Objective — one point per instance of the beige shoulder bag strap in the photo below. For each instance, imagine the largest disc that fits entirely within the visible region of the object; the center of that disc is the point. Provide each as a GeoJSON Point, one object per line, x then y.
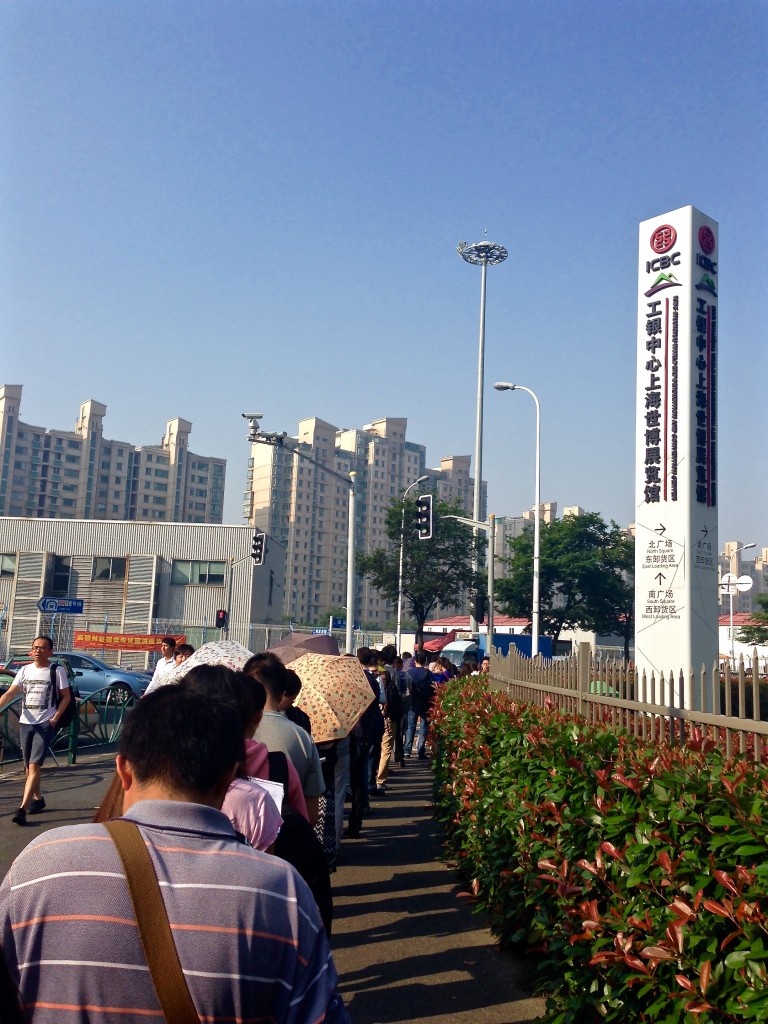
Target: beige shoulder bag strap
{"type": "Point", "coordinates": [152, 920]}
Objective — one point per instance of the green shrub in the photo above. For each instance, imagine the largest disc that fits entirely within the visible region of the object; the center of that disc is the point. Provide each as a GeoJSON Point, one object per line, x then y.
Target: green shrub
{"type": "Point", "coordinates": [638, 873]}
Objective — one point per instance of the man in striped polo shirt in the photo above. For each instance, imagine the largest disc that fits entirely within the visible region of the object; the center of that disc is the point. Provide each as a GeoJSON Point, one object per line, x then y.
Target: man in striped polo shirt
{"type": "Point", "coordinates": [248, 934]}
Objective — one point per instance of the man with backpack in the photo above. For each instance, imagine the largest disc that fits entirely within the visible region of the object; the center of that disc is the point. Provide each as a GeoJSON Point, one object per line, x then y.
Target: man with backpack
{"type": "Point", "coordinates": [422, 694]}
{"type": "Point", "coordinates": [46, 698]}
{"type": "Point", "coordinates": [393, 708]}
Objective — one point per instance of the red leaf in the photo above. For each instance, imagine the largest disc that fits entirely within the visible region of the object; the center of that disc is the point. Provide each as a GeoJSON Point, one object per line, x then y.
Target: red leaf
{"type": "Point", "coordinates": [685, 983]}
{"type": "Point", "coordinates": [675, 935]}
{"type": "Point", "coordinates": [664, 861]}
{"type": "Point", "coordinates": [632, 961]}
{"type": "Point", "coordinates": [698, 1007]}
{"type": "Point", "coordinates": [704, 975]}
{"type": "Point", "coordinates": [716, 908]}
{"type": "Point", "coordinates": [657, 953]}
{"type": "Point", "coordinates": [681, 908]}
{"type": "Point", "coordinates": [725, 881]}
{"type": "Point", "coordinates": [611, 850]}
{"type": "Point", "coordinates": [633, 784]}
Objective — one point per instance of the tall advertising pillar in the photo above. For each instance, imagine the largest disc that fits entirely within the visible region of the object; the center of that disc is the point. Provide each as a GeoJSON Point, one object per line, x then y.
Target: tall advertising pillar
{"type": "Point", "coordinates": [676, 467]}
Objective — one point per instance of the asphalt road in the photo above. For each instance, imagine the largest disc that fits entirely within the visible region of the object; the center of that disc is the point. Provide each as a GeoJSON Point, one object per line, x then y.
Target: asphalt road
{"type": "Point", "coordinates": [406, 948]}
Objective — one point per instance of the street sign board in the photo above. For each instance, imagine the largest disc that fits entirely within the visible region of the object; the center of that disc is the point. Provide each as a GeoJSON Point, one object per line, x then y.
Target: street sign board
{"type": "Point", "coordinates": [60, 606]}
{"type": "Point", "coordinates": [677, 450]}
{"type": "Point", "coordinates": [319, 632]}
{"type": "Point", "coordinates": [339, 623]}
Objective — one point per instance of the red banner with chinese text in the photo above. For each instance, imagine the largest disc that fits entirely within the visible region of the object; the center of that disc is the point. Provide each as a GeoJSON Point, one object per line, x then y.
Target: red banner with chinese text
{"type": "Point", "coordinates": [90, 640]}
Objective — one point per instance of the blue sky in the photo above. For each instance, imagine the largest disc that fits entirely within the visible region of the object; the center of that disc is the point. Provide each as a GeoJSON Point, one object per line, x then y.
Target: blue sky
{"type": "Point", "coordinates": [228, 206]}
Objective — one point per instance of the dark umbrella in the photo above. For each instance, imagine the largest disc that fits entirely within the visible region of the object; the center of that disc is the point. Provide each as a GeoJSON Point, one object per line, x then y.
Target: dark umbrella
{"type": "Point", "coordinates": [294, 645]}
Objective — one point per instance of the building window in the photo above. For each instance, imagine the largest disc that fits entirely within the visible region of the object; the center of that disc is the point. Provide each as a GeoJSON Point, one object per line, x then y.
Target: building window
{"type": "Point", "coordinates": [198, 573]}
{"type": "Point", "coordinates": [7, 565]}
{"type": "Point", "coordinates": [108, 569]}
{"type": "Point", "coordinates": [62, 568]}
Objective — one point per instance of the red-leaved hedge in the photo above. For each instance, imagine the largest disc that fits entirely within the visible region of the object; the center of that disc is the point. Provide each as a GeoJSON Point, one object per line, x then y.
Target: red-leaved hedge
{"type": "Point", "coordinates": [638, 873]}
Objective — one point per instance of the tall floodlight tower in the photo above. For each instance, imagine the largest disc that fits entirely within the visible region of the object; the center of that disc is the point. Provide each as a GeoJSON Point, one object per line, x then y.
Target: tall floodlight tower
{"type": "Point", "coordinates": [484, 254]}
{"type": "Point", "coordinates": [676, 546]}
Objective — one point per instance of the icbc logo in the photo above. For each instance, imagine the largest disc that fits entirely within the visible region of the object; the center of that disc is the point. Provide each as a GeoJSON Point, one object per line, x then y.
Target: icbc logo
{"type": "Point", "coordinates": [707, 240]}
{"type": "Point", "coordinates": [663, 238]}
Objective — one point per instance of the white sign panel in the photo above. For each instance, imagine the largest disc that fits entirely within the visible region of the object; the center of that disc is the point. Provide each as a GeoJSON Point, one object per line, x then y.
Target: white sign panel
{"type": "Point", "coordinates": [676, 469]}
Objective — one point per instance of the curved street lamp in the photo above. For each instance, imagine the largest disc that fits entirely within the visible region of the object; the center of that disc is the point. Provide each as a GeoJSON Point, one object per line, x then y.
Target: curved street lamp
{"type": "Point", "coordinates": [732, 586]}
{"type": "Point", "coordinates": [400, 576]}
{"type": "Point", "coordinates": [504, 386]}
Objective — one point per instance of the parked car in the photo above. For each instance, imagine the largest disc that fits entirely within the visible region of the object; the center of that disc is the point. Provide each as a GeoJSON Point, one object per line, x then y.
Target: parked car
{"type": "Point", "coordinates": [14, 664]}
{"type": "Point", "coordinates": [91, 674]}
{"type": "Point", "coordinates": [9, 670]}
{"type": "Point", "coordinates": [6, 678]}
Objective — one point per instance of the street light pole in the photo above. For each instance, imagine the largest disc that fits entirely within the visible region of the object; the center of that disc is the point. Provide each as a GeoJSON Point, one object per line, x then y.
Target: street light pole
{"type": "Point", "coordinates": [490, 529]}
{"type": "Point", "coordinates": [733, 588]}
{"type": "Point", "coordinates": [484, 254]}
{"type": "Point", "coordinates": [504, 386]}
{"type": "Point", "coordinates": [351, 565]}
{"type": "Point", "coordinates": [400, 574]}
{"type": "Point", "coordinates": [257, 436]}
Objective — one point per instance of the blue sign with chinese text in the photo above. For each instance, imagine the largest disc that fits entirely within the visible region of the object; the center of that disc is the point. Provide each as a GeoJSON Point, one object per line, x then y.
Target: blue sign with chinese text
{"type": "Point", "coordinates": [60, 605]}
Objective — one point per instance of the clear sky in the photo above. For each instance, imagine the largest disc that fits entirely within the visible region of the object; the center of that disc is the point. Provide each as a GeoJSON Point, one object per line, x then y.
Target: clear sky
{"type": "Point", "coordinates": [217, 207]}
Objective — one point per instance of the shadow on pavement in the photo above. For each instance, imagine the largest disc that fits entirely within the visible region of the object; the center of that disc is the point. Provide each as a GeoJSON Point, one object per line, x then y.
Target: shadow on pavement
{"type": "Point", "coordinates": [406, 948]}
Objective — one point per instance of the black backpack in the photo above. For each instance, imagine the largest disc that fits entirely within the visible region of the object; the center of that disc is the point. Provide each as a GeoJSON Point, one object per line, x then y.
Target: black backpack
{"type": "Point", "coordinates": [70, 712]}
{"type": "Point", "coordinates": [422, 691]}
{"type": "Point", "coordinates": [297, 844]}
{"type": "Point", "coordinates": [395, 706]}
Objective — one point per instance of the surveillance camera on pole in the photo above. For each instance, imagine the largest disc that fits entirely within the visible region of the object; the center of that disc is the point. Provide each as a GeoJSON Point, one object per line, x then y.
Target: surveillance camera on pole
{"type": "Point", "coordinates": [253, 422]}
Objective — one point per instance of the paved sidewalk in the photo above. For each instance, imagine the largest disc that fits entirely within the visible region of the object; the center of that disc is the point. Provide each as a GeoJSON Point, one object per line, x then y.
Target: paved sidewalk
{"type": "Point", "coordinates": [72, 794]}
{"type": "Point", "coordinates": [405, 947]}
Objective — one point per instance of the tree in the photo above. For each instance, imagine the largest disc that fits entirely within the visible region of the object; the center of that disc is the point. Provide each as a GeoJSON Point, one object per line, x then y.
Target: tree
{"type": "Point", "coordinates": [586, 577]}
{"type": "Point", "coordinates": [757, 633]}
{"type": "Point", "coordinates": [435, 572]}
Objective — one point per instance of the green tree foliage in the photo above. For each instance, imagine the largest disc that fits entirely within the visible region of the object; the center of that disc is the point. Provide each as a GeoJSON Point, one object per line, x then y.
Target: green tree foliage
{"type": "Point", "coordinates": [756, 634]}
{"type": "Point", "coordinates": [586, 577]}
{"type": "Point", "coordinates": [435, 572]}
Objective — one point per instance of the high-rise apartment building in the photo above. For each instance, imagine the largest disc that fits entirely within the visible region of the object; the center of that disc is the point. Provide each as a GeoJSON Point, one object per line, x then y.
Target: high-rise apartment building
{"type": "Point", "coordinates": [307, 509]}
{"type": "Point", "coordinates": [79, 474]}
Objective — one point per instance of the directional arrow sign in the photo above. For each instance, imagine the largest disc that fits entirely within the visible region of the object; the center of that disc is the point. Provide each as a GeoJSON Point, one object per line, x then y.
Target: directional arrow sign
{"type": "Point", "coordinates": [659, 577]}
{"type": "Point", "coordinates": [60, 605]}
{"type": "Point", "coordinates": [660, 529]}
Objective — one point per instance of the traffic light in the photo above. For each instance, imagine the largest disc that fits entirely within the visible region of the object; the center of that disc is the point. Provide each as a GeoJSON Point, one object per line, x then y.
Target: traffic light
{"type": "Point", "coordinates": [257, 548]}
{"type": "Point", "coordinates": [477, 603]}
{"type": "Point", "coordinates": [221, 619]}
{"type": "Point", "coordinates": [424, 516]}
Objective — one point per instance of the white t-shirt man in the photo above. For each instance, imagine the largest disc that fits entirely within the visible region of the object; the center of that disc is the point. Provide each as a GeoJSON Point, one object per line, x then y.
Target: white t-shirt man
{"type": "Point", "coordinates": [39, 700]}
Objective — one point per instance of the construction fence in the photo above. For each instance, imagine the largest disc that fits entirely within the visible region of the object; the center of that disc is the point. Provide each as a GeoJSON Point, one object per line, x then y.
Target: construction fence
{"type": "Point", "coordinates": [253, 635]}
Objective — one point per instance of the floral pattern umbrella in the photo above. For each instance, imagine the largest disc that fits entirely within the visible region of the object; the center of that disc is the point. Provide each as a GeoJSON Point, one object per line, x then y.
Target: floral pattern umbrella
{"type": "Point", "coordinates": [334, 693]}
{"type": "Point", "coordinates": [219, 652]}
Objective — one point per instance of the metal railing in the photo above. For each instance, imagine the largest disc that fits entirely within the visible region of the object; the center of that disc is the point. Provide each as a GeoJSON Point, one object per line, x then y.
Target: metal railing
{"type": "Point", "coordinates": [722, 708]}
{"type": "Point", "coordinates": [99, 722]}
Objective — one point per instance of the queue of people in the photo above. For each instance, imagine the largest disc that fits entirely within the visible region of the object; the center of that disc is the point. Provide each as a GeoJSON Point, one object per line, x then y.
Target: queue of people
{"type": "Point", "coordinates": [242, 814]}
